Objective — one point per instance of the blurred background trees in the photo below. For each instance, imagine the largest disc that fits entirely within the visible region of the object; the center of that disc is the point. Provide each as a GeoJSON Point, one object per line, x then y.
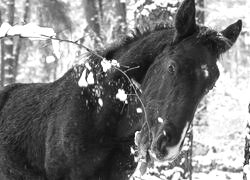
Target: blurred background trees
{"type": "Point", "coordinates": [246, 166]}
{"type": "Point", "coordinates": [8, 59]}
{"type": "Point", "coordinates": [214, 148]}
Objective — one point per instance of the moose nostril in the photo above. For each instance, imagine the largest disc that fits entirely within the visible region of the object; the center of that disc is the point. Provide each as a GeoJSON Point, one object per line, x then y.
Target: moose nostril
{"type": "Point", "coordinates": [163, 143]}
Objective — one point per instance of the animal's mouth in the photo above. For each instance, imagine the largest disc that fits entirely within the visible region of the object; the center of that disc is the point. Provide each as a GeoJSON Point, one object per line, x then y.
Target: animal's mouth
{"type": "Point", "coordinates": [144, 162]}
{"type": "Point", "coordinates": [148, 161]}
{"type": "Point", "coordinates": [147, 152]}
{"type": "Point", "coordinates": [147, 155]}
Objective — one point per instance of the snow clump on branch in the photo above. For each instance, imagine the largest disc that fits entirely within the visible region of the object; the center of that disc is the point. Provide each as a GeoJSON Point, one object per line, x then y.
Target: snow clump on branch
{"type": "Point", "coordinates": [106, 65]}
{"type": "Point", "coordinates": [29, 30]}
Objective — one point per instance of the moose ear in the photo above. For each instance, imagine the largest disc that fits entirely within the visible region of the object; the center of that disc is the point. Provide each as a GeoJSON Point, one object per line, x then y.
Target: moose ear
{"type": "Point", "coordinates": [231, 33]}
{"type": "Point", "coordinates": [185, 24]}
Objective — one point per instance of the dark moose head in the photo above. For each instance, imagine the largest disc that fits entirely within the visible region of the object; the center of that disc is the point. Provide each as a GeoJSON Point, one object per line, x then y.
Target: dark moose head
{"type": "Point", "coordinates": [178, 78]}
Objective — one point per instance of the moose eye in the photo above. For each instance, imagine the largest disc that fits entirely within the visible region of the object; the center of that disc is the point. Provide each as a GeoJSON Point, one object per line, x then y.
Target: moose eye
{"type": "Point", "coordinates": [171, 68]}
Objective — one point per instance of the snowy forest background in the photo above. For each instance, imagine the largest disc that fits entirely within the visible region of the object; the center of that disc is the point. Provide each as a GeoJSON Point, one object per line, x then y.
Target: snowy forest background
{"type": "Point", "coordinates": [215, 147]}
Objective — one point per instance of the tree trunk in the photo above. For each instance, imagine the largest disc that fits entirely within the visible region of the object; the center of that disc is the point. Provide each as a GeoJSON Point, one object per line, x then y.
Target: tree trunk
{"type": "Point", "coordinates": [19, 40]}
{"type": "Point", "coordinates": [160, 15]}
{"type": "Point", "coordinates": [187, 163]}
{"type": "Point", "coordinates": [2, 55]}
{"type": "Point", "coordinates": [100, 5]}
{"type": "Point", "coordinates": [91, 14]}
{"type": "Point", "coordinates": [120, 27]}
{"type": "Point", "coordinates": [9, 58]}
{"type": "Point", "coordinates": [246, 166]}
{"type": "Point", "coordinates": [165, 15]}
{"type": "Point", "coordinates": [200, 11]}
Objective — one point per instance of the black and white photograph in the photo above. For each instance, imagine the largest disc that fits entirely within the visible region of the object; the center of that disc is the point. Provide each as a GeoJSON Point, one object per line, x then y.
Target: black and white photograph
{"type": "Point", "coordinates": [125, 90]}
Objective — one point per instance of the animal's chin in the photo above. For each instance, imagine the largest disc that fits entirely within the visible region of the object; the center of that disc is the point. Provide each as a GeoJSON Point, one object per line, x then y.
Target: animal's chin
{"type": "Point", "coordinates": [142, 143]}
{"type": "Point", "coordinates": [147, 160]}
{"type": "Point", "coordinates": [148, 155]}
{"type": "Point", "coordinates": [162, 159]}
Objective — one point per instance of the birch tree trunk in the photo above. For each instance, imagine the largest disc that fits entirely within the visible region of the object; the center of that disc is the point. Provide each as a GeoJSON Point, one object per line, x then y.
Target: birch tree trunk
{"type": "Point", "coordinates": [91, 14]}
{"type": "Point", "coordinates": [246, 166]}
{"type": "Point", "coordinates": [19, 40]}
{"type": "Point", "coordinates": [9, 58]}
{"type": "Point", "coordinates": [100, 6]}
{"type": "Point", "coordinates": [2, 56]}
{"type": "Point", "coordinates": [120, 27]}
{"type": "Point", "coordinates": [200, 11]}
{"type": "Point", "coordinates": [187, 163]}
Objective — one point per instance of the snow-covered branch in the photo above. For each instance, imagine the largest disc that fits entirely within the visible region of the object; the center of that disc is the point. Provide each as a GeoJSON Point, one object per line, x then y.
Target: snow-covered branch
{"type": "Point", "coordinates": [30, 30]}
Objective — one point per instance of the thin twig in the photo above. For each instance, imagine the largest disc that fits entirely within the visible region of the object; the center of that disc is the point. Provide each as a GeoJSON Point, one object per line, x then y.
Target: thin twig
{"type": "Point", "coordinates": [130, 69]}
{"type": "Point", "coordinates": [137, 95]}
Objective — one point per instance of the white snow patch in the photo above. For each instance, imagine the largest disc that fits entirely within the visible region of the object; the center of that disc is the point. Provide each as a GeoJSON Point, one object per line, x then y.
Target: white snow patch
{"type": "Point", "coordinates": [56, 47]}
{"type": "Point", "coordinates": [138, 110]}
{"type": "Point", "coordinates": [100, 101]}
{"type": "Point", "coordinates": [50, 59]}
{"type": "Point", "coordinates": [185, 148]}
{"type": "Point", "coordinates": [5, 27]}
{"type": "Point", "coordinates": [121, 95]}
{"type": "Point", "coordinates": [115, 63]}
{"type": "Point", "coordinates": [164, 133]}
{"type": "Point", "coordinates": [160, 120]}
{"type": "Point", "coordinates": [246, 170]}
{"type": "Point", "coordinates": [137, 137]}
{"type": "Point", "coordinates": [132, 151]}
{"type": "Point", "coordinates": [97, 92]}
{"type": "Point", "coordinates": [170, 172]}
{"type": "Point", "coordinates": [87, 66]}
{"type": "Point", "coordinates": [106, 65]}
{"type": "Point", "coordinates": [90, 78]}
{"type": "Point", "coordinates": [204, 69]}
{"type": "Point", "coordinates": [29, 30]}
{"type": "Point", "coordinates": [82, 81]}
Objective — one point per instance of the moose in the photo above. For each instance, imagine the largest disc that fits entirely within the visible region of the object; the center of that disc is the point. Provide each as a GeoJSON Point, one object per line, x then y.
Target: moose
{"type": "Point", "coordinates": [140, 93]}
